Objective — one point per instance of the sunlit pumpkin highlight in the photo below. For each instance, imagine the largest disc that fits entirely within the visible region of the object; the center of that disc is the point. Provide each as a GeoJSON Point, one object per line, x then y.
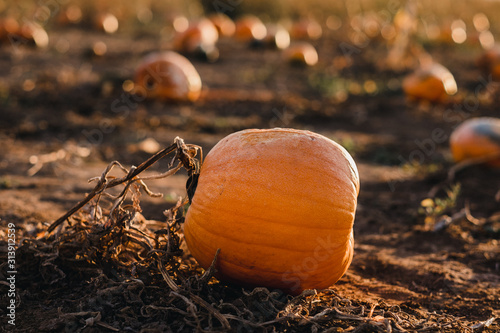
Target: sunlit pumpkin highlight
{"type": "Point", "coordinates": [476, 138]}
{"type": "Point", "coordinates": [168, 76]}
{"type": "Point", "coordinates": [280, 205]}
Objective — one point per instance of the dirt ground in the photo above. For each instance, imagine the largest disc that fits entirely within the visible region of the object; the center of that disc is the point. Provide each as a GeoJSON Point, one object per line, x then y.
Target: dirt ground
{"type": "Point", "coordinates": [66, 99]}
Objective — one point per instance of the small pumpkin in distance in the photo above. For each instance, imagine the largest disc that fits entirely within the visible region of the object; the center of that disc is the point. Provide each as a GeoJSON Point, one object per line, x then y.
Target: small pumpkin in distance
{"type": "Point", "coordinates": [167, 76]}
{"type": "Point", "coordinates": [477, 138]}
{"type": "Point", "coordinates": [280, 205]}
{"type": "Point", "coordinates": [432, 82]}
{"type": "Point", "coordinates": [276, 37]}
{"type": "Point", "coordinates": [306, 29]}
{"type": "Point", "coordinates": [199, 39]}
{"type": "Point", "coordinates": [34, 34]}
{"type": "Point", "coordinates": [301, 53]}
{"type": "Point", "coordinates": [249, 28]}
{"type": "Point", "coordinates": [225, 26]}
{"type": "Point", "coordinates": [9, 28]}
{"type": "Point", "coordinates": [198, 35]}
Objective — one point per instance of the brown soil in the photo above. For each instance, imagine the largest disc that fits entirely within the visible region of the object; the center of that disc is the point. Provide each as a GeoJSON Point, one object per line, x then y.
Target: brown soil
{"type": "Point", "coordinates": [53, 101]}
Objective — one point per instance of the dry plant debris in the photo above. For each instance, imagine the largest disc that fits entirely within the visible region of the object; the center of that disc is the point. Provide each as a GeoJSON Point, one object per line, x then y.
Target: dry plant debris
{"type": "Point", "coordinates": [126, 273]}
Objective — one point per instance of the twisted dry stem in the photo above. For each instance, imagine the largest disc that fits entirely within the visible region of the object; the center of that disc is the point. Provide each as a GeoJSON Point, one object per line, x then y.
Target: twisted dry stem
{"type": "Point", "coordinates": [184, 154]}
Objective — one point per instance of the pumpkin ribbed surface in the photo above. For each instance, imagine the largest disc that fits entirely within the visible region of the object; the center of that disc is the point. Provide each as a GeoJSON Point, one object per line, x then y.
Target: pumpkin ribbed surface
{"type": "Point", "coordinates": [476, 138]}
{"type": "Point", "coordinates": [280, 205]}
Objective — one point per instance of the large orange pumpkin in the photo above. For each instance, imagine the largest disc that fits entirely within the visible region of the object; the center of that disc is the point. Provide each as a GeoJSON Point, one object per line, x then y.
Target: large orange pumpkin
{"type": "Point", "coordinates": [280, 205]}
{"type": "Point", "coordinates": [167, 76]}
{"type": "Point", "coordinates": [476, 138]}
{"type": "Point", "coordinates": [433, 83]}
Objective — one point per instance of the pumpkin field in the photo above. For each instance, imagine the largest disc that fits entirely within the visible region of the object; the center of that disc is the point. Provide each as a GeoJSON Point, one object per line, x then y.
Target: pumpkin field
{"type": "Point", "coordinates": [249, 166]}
